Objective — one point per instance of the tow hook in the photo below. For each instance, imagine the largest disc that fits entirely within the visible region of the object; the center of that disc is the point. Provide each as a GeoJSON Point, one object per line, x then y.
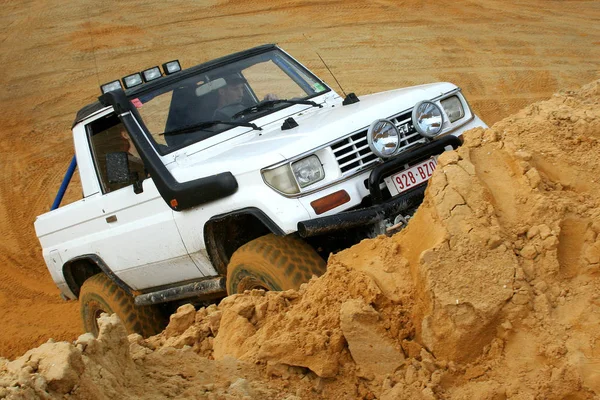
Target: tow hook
{"type": "Point", "coordinates": [399, 222]}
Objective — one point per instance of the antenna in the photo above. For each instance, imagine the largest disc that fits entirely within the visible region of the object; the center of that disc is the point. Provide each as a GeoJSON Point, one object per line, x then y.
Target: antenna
{"type": "Point", "coordinates": [325, 64]}
{"type": "Point", "coordinates": [336, 81]}
{"type": "Point", "coordinates": [349, 98]}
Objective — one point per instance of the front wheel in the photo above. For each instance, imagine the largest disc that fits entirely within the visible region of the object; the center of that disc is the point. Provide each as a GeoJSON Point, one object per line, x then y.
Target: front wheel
{"type": "Point", "coordinates": [272, 263]}
{"type": "Point", "coordinates": [100, 295]}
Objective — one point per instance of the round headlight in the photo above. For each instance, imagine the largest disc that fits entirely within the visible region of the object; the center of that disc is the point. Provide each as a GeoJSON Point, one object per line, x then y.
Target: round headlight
{"type": "Point", "coordinates": [383, 137]}
{"type": "Point", "coordinates": [427, 119]}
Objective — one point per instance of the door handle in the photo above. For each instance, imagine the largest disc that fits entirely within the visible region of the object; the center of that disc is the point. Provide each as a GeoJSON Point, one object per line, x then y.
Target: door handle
{"type": "Point", "coordinates": [112, 218]}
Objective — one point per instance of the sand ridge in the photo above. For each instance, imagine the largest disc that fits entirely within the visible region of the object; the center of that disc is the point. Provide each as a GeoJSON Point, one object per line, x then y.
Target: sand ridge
{"type": "Point", "coordinates": [56, 54]}
{"type": "Point", "coordinates": [505, 56]}
{"type": "Point", "coordinates": [468, 301]}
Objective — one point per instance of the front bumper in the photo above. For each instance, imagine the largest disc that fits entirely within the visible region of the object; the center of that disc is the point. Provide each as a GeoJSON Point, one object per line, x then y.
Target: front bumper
{"type": "Point", "coordinates": [381, 210]}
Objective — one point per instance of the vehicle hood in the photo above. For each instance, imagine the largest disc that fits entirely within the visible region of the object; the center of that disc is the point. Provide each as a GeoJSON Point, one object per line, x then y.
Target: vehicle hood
{"type": "Point", "coordinates": [254, 150]}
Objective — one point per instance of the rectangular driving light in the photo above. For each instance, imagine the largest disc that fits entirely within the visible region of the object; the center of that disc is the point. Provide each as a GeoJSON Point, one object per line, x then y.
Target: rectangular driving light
{"type": "Point", "coordinates": [151, 74]}
{"type": "Point", "coordinates": [110, 86]}
{"type": "Point", "coordinates": [171, 67]}
{"type": "Point", "coordinates": [132, 80]}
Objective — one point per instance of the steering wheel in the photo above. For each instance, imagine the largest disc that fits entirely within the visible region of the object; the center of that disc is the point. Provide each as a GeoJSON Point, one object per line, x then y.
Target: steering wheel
{"type": "Point", "coordinates": [270, 97]}
{"type": "Point", "coordinates": [225, 112]}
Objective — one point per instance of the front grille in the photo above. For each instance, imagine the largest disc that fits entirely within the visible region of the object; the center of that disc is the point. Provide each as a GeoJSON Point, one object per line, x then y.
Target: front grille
{"type": "Point", "coordinates": [353, 153]}
{"type": "Point", "coordinates": [409, 137]}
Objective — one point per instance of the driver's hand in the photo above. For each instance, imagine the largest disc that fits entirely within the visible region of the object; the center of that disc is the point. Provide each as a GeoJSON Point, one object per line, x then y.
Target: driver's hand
{"type": "Point", "coordinates": [271, 97]}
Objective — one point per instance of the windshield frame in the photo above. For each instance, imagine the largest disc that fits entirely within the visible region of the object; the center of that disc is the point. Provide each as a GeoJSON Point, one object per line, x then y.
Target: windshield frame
{"type": "Point", "coordinates": [166, 83]}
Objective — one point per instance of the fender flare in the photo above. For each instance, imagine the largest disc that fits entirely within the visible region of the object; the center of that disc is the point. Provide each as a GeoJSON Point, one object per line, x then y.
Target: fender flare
{"type": "Point", "coordinates": [98, 262]}
{"type": "Point", "coordinates": [211, 242]}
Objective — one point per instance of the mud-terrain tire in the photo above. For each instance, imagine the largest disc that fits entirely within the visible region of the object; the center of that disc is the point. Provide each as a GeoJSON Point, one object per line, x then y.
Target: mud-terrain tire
{"type": "Point", "coordinates": [272, 263]}
{"type": "Point", "coordinates": [99, 294]}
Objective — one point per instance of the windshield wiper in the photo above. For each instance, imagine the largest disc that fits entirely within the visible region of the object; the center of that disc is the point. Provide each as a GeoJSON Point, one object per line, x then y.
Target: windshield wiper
{"type": "Point", "coordinates": [207, 124]}
{"type": "Point", "coordinates": [270, 103]}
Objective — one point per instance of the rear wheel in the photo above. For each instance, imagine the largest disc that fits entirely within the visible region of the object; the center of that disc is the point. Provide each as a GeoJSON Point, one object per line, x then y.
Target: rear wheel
{"type": "Point", "coordinates": [272, 263]}
{"type": "Point", "coordinates": [100, 295]}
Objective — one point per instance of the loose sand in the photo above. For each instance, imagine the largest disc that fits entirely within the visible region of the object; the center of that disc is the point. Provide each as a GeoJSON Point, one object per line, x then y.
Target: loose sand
{"type": "Point", "coordinates": [490, 292]}
{"type": "Point", "coordinates": [536, 330]}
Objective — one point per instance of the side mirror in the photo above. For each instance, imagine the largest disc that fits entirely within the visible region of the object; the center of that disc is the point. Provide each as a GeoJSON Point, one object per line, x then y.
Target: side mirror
{"type": "Point", "coordinates": [117, 167]}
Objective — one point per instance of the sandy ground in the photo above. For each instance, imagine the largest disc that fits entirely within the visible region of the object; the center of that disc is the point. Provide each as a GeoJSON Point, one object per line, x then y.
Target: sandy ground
{"type": "Point", "coordinates": [491, 292]}
{"type": "Point", "coordinates": [504, 55]}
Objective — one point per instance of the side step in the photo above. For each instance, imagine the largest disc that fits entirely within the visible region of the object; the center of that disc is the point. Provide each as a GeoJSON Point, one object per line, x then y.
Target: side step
{"type": "Point", "coordinates": [206, 287]}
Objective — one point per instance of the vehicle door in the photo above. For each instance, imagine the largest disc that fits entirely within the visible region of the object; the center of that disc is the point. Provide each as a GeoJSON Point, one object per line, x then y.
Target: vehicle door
{"type": "Point", "coordinates": [140, 241]}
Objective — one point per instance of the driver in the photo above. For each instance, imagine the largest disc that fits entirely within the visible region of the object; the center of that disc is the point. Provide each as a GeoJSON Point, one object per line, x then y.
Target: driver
{"type": "Point", "coordinates": [230, 97]}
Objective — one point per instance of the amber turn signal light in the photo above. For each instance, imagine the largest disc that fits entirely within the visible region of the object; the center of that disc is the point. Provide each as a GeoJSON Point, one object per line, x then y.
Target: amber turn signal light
{"type": "Point", "coordinates": [330, 201]}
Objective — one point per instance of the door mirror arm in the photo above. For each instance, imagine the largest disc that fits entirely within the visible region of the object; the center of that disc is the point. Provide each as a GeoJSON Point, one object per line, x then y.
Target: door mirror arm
{"type": "Point", "coordinates": [138, 184]}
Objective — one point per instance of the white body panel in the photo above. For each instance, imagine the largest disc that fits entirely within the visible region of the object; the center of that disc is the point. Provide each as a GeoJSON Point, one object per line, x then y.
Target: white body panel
{"type": "Point", "coordinates": [143, 246]}
{"type": "Point", "coordinates": [150, 245]}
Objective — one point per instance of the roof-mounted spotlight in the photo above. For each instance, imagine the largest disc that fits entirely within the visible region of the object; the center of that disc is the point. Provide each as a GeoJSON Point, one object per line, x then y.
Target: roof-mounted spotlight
{"type": "Point", "coordinates": [132, 80]}
{"type": "Point", "coordinates": [151, 74]}
{"type": "Point", "coordinates": [171, 67]}
{"type": "Point", "coordinates": [110, 86]}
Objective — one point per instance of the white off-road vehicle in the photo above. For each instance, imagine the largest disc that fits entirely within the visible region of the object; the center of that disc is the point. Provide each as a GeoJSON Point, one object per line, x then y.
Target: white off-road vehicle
{"type": "Point", "coordinates": [243, 172]}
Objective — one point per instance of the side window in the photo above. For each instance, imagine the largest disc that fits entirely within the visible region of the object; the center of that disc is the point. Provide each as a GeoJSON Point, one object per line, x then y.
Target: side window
{"type": "Point", "coordinates": [109, 138]}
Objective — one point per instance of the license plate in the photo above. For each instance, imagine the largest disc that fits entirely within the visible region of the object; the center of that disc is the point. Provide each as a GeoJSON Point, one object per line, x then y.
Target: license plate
{"type": "Point", "coordinates": [411, 177]}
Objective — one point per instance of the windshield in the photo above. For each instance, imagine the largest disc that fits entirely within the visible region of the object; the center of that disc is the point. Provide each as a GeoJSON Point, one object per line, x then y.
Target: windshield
{"type": "Point", "coordinates": [189, 111]}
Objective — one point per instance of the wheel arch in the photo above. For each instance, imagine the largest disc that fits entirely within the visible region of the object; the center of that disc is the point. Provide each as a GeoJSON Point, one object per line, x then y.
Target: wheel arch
{"type": "Point", "coordinates": [78, 269]}
{"type": "Point", "coordinates": [255, 223]}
